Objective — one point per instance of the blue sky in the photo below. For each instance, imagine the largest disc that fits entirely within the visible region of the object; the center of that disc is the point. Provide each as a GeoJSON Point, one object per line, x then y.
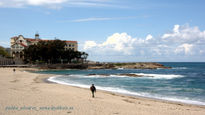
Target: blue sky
{"type": "Point", "coordinates": [113, 30]}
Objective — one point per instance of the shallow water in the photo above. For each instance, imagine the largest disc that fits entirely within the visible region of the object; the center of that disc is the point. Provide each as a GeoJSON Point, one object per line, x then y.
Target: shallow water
{"type": "Point", "coordinates": [185, 82]}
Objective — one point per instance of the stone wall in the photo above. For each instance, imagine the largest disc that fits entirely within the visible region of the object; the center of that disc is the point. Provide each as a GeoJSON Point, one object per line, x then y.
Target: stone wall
{"type": "Point", "coordinates": [10, 61]}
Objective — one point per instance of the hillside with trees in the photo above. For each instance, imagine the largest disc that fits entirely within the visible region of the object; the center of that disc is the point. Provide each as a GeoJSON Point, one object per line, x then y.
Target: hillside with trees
{"type": "Point", "coordinates": [3, 52]}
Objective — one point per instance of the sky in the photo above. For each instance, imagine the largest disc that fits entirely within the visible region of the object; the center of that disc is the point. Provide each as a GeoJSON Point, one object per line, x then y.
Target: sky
{"type": "Point", "coordinates": [113, 30]}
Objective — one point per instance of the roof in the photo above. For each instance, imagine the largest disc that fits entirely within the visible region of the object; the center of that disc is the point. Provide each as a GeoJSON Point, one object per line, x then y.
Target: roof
{"type": "Point", "coordinates": [32, 40]}
{"type": "Point", "coordinates": [23, 45]}
{"type": "Point", "coordinates": [71, 41]}
{"type": "Point", "coordinates": [20, 44]}
{"type": "Point", "coordinates": [62, 40]}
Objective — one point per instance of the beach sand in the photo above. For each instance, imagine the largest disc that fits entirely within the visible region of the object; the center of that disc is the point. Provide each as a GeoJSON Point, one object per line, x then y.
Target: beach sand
{"type": "Point", "coordinates": [24, 93]}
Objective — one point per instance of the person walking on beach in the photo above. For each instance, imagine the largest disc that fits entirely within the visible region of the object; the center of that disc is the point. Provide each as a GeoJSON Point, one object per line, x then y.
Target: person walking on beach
{"type": "Point", "coordinates": [93, 90]}
{"type": "Point", "coordinates": [14, 70]}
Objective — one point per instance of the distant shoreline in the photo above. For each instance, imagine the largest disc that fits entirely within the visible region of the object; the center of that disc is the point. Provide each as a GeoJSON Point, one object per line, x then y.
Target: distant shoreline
{"type": "Point", "coordinates": [134, 65]}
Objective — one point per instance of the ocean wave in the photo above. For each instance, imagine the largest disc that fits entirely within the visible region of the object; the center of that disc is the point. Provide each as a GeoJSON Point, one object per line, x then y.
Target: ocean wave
{"type": "Point", "coordinates": [138, 75]}
{"type": "Point", "coordinates": [179, 68]}
{"type": "Point", "coordinates": [183, 100]}
{"type": "Point", "coordinates": [98, 76]}
{"type": "Point", "coordinates": [131, 93]}
{"type": "Point", "coordinates": [120, 68]}
{"type": "Point", "coordinates": [159, 76]}
{"type": "Point", "coordinates": [55, 80]}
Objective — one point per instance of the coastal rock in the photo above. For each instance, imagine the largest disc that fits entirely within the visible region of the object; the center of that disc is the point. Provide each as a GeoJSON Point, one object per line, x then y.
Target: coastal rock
{"type": "Point", "coordinates": [98, 74]}
{"type": "Point", "coordinates": [124, 74]}
{"type": "Point", "coordinates": [131, 75]}
{"type": "Point", "coordinates": [138, 65]}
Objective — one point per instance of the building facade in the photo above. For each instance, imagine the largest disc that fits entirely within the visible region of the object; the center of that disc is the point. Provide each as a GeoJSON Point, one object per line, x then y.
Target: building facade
{"type": "Point", "coordinates": [19, 43]}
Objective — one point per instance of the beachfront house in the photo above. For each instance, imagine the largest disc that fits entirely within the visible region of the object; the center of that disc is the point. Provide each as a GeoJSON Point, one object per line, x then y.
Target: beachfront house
{"type": "Point", "coordinates": [19, 43]}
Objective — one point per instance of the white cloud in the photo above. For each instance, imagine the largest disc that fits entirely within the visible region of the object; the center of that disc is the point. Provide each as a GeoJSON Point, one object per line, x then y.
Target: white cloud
{"type": "Point", "coordinates": [183, 42]}
{"type": "Point", "coordinates": [54, 3]}
{"type": "Point", "coordinates": [185, 48]}
{"type": "Point", "coordinates": [89, 44]}
{"type": "Point", "coordinates": [202, 51]}
{"type": "Point", "coordinates": [5, 44]}
{"type": "Point", "coordinates": [121, 43]}
{"type": "Point", "coordinates": [149, 37]}
{"type": "Point", "coordinates": [92, 19]}
{"type": "Point", "coordinates": [101, 19]}
{"type": "Point", "coordinates": [185, 34]}
{"type": "Point", "coordinates": [44, 2]}
{"type": "Point", "coordinates": [25, 3]}
{"type": "Point", "coordinates": [176, 29]}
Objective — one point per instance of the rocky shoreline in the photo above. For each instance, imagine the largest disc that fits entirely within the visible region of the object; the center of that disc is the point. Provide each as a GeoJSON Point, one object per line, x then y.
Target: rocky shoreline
{"type": "Point", "coordinates": [138, 65]}
{"type": "Point", "coordinates": [125, 74]}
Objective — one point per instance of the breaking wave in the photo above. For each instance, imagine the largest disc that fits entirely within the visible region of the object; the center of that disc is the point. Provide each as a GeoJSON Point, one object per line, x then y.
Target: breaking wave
{"type": "Point", "coordinates": [180, 68]}
{"type": "Point", "coordinates": [138, 75]}
{"type": "Point", "coordinates": [160, 76]}
{"type": "Point", "coordinates": [127, 92]}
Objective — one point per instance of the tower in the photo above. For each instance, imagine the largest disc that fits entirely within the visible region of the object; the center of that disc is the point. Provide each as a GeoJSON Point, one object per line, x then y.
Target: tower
{"type": "Point", "coordinates": [37, 36]}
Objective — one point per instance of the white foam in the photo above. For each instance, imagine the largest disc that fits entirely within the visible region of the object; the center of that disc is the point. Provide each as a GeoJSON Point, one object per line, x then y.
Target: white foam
{"type": "Point", "coordinates": [147, 76]}
{"type": "Point", "coordinates": [111, 89]}
{"type": "Point", "coordinates": [94, 76]}
{"type": "Point", "coordinates": [159, 76]}
{"type": "Point", "coordinates": [53, 79]}
{"type": "Point", "coordinates": [97, 76]}
{"type": "Point", "coordinates": [123, 91]}
{"type": "Point", "coordinates": [115, 75]}
{"type": "Point", "coordinates": [185, 100]}
{"type": "Point", "coordinates": [180, 68]}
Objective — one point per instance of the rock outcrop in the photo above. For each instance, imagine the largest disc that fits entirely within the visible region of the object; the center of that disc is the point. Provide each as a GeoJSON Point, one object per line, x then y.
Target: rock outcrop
{"type": "Point", "coordinates": [138, 65]}
{"type": "Point", "coordinates": [123, 74]}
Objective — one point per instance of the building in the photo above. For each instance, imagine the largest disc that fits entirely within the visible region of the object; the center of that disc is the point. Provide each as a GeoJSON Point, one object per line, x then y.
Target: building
{"type": "Point", "coordinates": [19, 43]}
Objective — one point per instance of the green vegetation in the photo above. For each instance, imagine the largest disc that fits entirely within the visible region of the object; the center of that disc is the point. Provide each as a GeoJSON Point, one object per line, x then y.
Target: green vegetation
{"type": "Point", "coordinates": [52, 52]}
{"type": "Point", "coordinates": [3, 52]}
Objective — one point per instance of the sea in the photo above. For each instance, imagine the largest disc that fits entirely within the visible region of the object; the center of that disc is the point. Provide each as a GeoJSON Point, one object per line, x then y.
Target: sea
{"type": "Point", "coordinates": [184, 82]}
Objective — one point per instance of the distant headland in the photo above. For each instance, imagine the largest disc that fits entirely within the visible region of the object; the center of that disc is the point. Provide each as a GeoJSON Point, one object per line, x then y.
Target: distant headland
{"type": "Point", "coordinates": [98, 65]}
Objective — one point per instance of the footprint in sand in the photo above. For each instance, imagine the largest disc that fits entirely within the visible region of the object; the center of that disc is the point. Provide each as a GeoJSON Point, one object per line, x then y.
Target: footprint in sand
{"type": "Point", "coordinates": [14, 81]}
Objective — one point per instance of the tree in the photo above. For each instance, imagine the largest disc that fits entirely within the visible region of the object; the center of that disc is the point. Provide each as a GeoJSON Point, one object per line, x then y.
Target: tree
{"type": "Point", "coordinates": [51, 52]}
{"type": "Point", "coordinates": [84, 55]}
{"type": "Point", "coordinates": [31, 54]}
{"type": "Point", "coordinates": [3, 52]}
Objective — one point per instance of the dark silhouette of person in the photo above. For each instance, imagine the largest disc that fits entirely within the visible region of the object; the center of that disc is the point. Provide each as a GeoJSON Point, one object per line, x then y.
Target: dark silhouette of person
{"type": "Point", "coordinates": [93, 90]}
{"type": "Point", "coordinates": [14, 70]}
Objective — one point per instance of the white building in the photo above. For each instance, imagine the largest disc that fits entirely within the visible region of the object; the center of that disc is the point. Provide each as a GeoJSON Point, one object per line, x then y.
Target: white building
{"type": "Point", "coordinates": [18, 44]}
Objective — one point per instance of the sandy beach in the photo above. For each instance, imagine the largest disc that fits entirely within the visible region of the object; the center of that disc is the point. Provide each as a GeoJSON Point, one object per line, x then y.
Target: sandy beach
{"type": "Point", "coordinates": [24, 93]}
